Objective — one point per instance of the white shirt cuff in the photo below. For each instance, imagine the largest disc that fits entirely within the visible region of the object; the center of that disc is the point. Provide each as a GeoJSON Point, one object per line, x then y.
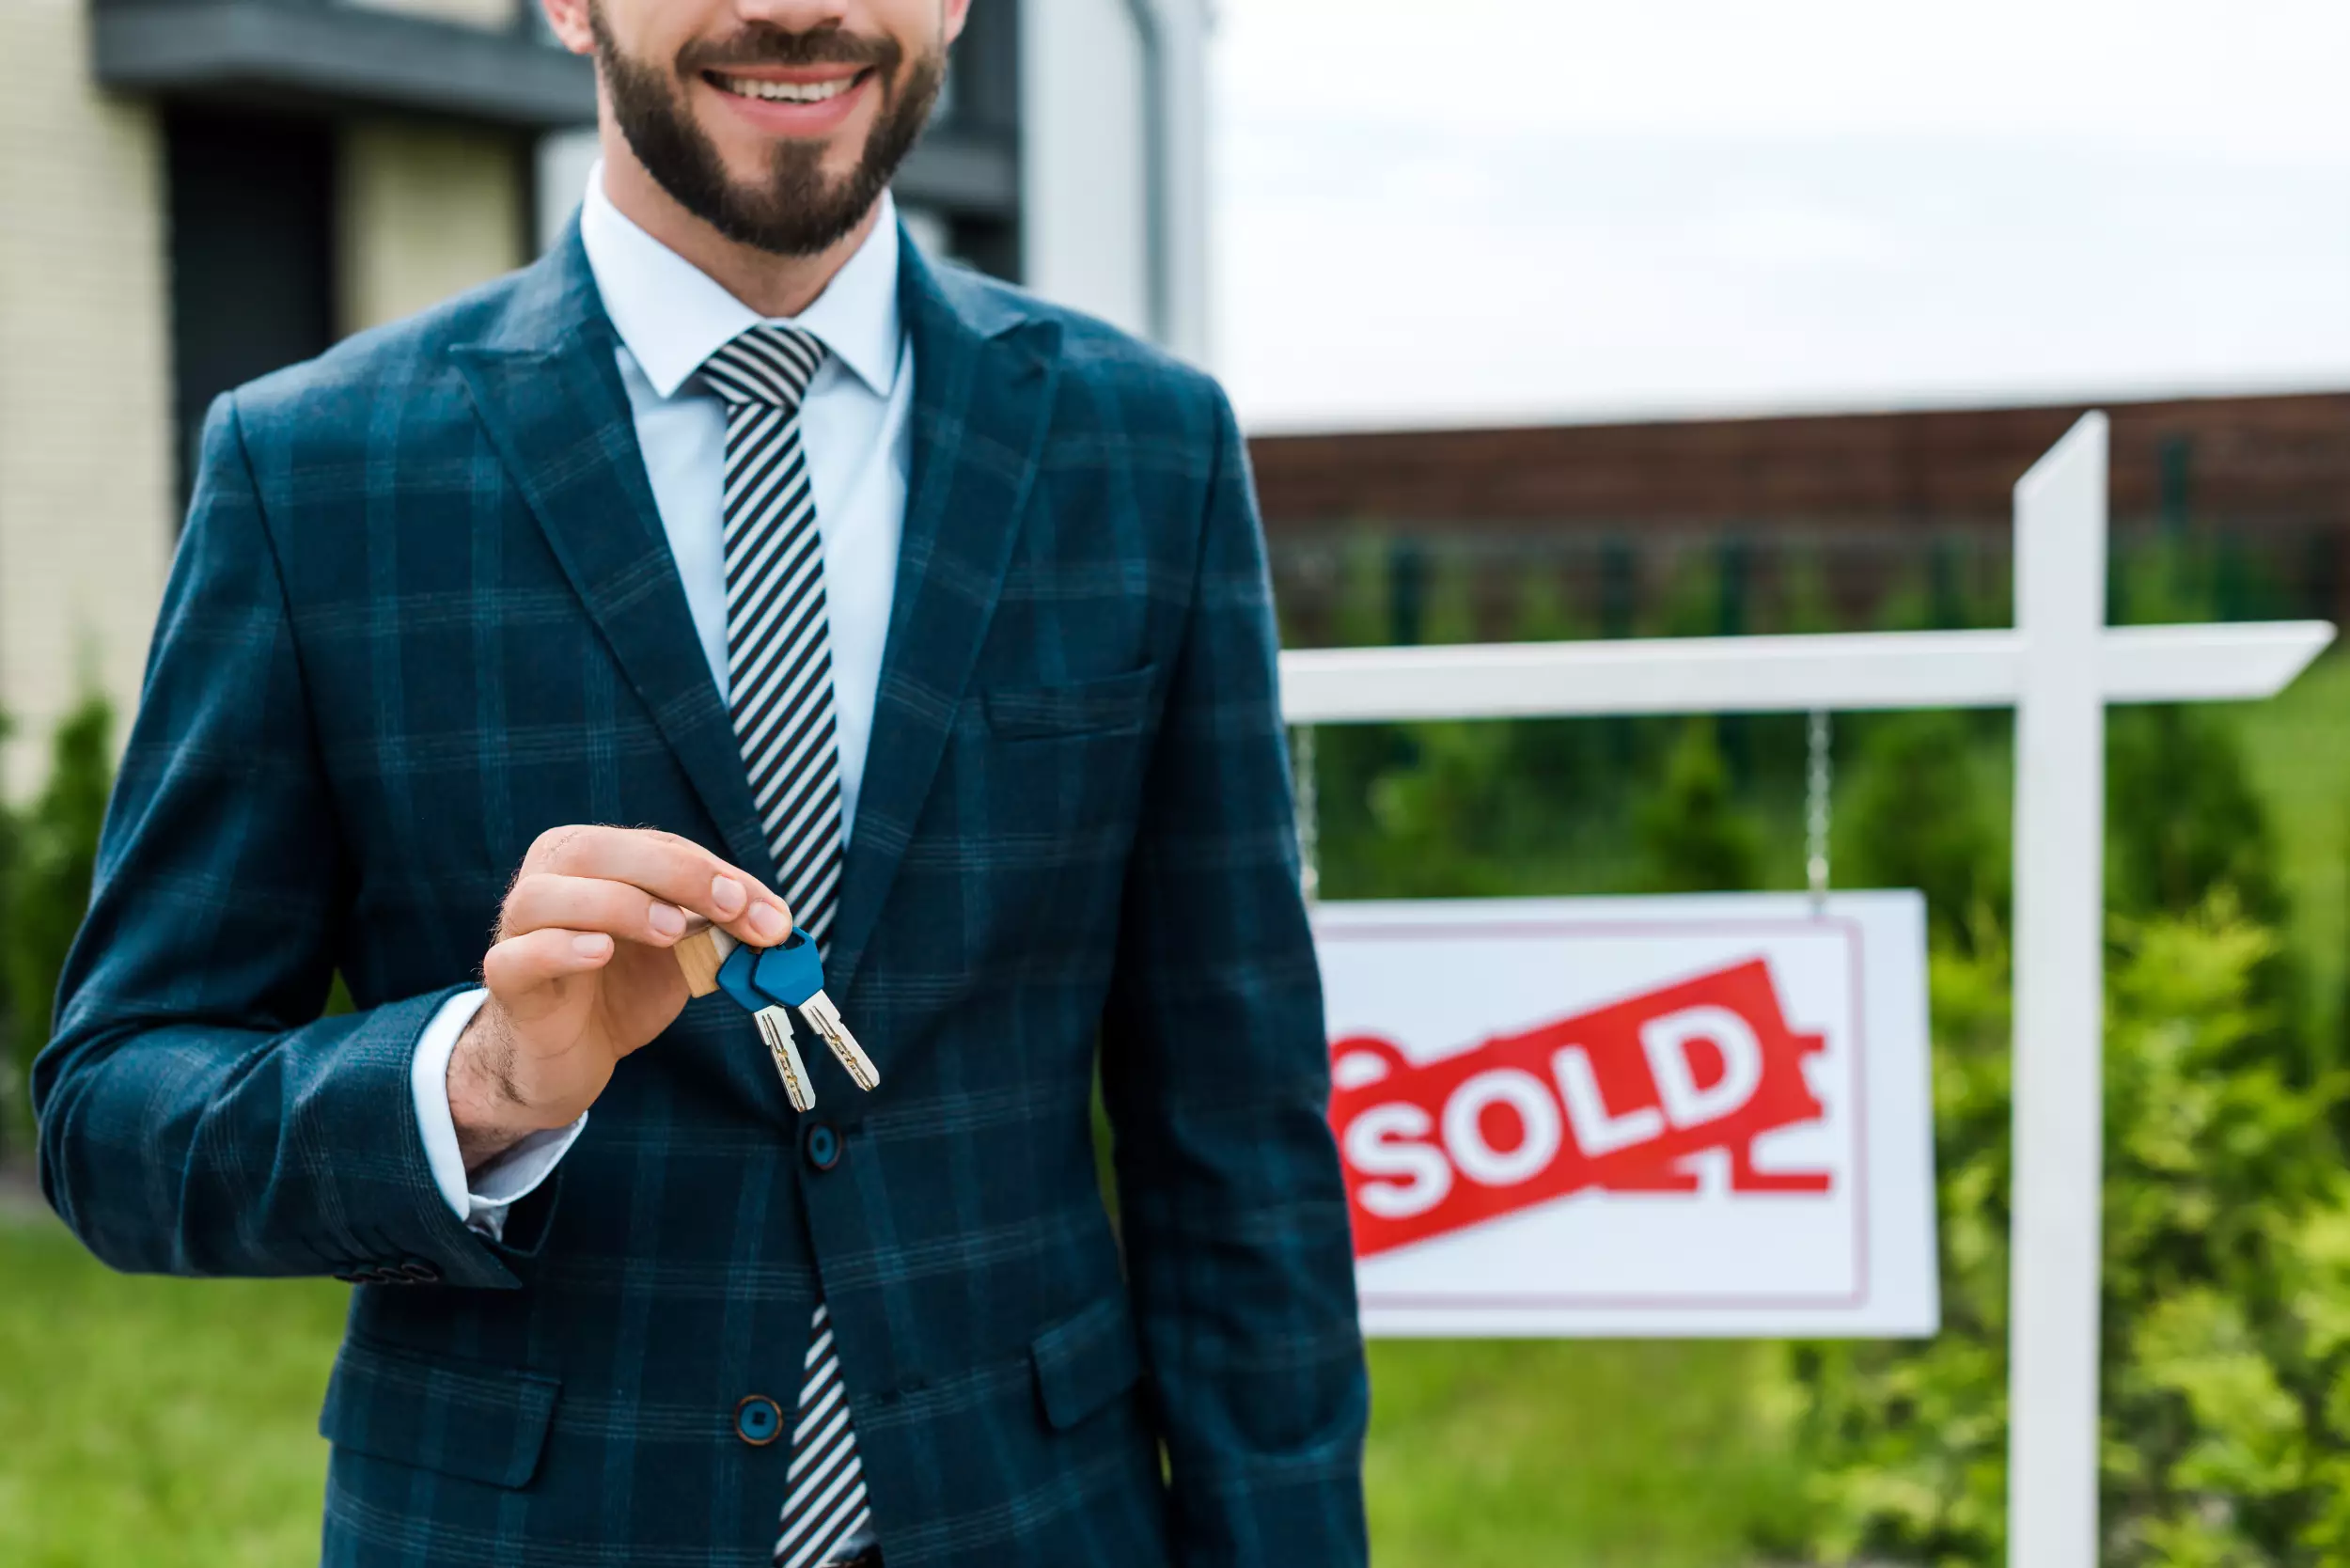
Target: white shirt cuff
{"type": "Point", "coordinates": [505, 1180]}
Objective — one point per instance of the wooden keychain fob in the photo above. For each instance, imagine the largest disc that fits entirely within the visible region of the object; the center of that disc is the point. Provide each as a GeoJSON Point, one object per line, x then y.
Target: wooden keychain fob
{"type": "Point", "coordinates": [700, 952]}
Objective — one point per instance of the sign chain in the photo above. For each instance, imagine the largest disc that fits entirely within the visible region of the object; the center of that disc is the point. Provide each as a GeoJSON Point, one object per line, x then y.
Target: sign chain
{"type": "Point", "coordinates": [1817, 777]}
{"type": "Point", "coordinates": [1309, 823]}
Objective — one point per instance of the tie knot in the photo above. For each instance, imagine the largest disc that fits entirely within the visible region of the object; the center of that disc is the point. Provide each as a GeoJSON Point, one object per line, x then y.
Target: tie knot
{"type": "Point", "coordinates": [765, 364]}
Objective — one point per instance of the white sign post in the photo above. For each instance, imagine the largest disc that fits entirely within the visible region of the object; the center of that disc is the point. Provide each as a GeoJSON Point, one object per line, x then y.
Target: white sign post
{"type": "Point", "coordinates": [2057, 669]}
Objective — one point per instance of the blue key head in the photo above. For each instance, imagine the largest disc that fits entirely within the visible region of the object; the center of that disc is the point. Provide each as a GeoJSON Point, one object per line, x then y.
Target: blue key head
{"type": "Point", "coordinates": [734, 979]}
{"type": "Point", "coordinates": [789, 972]}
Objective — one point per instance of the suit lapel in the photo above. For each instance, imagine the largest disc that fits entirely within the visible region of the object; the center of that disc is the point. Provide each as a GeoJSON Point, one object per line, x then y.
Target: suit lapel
{"type": "Point", "coordinates": [984, 375]}
{"type": "Point", "coordinates": [545, 384]}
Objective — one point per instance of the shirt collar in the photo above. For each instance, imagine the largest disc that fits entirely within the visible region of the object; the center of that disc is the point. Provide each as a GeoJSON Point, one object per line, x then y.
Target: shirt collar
{"type": "Point", "coordinates": [671, 315]}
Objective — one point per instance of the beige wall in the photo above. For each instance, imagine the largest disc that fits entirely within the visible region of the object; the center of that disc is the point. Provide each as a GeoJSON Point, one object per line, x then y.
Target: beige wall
{"type": "Point", "coordinates": [87, 499]}
{"type": "Point", "coordinates": [426, 211]}
{"type": "Point", "coordinates": [86, 444]}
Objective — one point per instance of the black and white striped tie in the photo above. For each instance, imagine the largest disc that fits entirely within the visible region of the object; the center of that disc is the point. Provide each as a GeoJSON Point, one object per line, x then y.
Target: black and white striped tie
{"type": "Point", "coordinates": [780, 680]}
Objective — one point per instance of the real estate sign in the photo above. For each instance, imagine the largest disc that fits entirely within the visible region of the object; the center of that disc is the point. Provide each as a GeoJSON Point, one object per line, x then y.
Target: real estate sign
{"type": "Point", "coordinates": [1634, 1117]}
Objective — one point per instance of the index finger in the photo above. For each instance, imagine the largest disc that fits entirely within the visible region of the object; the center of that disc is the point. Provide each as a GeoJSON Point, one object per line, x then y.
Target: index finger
{"type": "Point", "coordinates": [676, 869]}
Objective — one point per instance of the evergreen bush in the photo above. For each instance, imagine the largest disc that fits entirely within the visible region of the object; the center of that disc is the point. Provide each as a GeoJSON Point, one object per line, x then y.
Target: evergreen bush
{"type": "Point", "coordinates": [1693, 836]}
{"type": "Point", "coordinates": [2225, 1350]}
{"type": "Point", "coordinates": [1912, 813]}
{"type": "Point", "coordinates": [48, 852]}
{"type": "Point", "coordinates": [15, 1115]}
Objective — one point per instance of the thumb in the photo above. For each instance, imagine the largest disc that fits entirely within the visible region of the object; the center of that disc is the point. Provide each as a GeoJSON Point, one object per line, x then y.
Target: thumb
{"type": "Point", "coordinates": [523, 972]}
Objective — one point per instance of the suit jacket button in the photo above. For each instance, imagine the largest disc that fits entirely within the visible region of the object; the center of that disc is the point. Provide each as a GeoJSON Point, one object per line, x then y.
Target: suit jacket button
{"type": "Point", "coordinates": [758, 1420]}
{"type": "Point", "coordinates": [822, 1145]}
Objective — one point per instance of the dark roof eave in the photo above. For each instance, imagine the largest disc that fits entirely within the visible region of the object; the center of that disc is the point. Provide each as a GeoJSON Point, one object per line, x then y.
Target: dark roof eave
{"type": "Point", "coordinates": [332, 58]}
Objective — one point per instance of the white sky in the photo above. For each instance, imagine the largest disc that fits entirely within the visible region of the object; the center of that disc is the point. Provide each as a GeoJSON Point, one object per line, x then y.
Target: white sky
{"type": "Point", "coordinates": [1519, 211]}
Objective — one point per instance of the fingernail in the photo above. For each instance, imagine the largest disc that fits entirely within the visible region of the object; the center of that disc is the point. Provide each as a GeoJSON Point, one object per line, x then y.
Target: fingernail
{"type": "Point", "coordinates": [667, 919]}
{"type": "Point", "coordinates": [768, 922]}
{"type": "Point", "coordinates": [726, 894]}
{"type": "Point", "coordinates": [587, 945]}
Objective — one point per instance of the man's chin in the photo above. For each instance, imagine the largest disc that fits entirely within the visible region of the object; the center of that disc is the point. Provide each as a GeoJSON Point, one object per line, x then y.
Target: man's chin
{"type": "Point", "coordinates": [782, 201]}
{"type": "Point", "coordinates": [791, 226]}
{"type": "Point", "coordinates": [799, 172]}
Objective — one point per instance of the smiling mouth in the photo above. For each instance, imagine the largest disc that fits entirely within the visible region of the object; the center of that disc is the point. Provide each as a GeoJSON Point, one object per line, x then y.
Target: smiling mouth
{"type": "Point", "coordinates": [785, 92]}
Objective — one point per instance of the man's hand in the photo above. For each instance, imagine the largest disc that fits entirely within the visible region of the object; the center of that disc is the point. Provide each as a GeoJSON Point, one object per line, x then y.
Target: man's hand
{"type": "Point", "coordinates": [582, 974]}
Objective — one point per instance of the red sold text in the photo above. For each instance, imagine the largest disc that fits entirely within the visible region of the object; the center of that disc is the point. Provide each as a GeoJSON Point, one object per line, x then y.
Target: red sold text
{"type": "Point", "coordinates": [1614, 1098]}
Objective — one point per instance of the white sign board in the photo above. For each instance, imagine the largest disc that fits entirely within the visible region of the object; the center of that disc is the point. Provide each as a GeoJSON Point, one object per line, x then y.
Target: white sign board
{"type": "Point", "coordinates": [1648, 1117]}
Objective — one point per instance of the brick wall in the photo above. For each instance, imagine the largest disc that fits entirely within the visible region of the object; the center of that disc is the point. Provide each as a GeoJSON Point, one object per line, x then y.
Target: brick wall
{"type": "Point", "coordinates": [2252, 459]}
{"type": "Point", "coordinates": [2263, 481]}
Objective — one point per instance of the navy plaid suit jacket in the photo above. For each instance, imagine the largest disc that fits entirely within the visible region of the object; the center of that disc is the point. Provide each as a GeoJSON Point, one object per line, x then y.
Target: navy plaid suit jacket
{"type": "Point", "coordinates": [424, 610]}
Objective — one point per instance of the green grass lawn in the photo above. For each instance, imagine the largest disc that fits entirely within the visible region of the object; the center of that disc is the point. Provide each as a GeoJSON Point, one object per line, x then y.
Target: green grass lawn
{"type": "Point", "coordinates": [1571, 1454]}
{"type": "Point", "coordinates": [157, 1422]}
{"type": "Point", "coordinates": [167, 1422]}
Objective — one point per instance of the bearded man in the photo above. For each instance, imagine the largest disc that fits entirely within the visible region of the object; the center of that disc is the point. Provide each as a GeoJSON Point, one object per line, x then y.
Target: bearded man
{"type": "Point", "coordinates": [736, 564]}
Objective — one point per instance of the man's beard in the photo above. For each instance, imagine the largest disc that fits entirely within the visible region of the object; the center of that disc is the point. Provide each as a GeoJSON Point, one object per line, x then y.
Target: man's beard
{"type": "Point", "coordinates": [798, 211]}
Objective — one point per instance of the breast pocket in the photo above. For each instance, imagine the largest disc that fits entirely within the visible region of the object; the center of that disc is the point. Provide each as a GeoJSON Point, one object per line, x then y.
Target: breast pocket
{"type": "Point", "coordinates": [1044, 784]}
{"type": "Point", "coordinates": [1108, 705]}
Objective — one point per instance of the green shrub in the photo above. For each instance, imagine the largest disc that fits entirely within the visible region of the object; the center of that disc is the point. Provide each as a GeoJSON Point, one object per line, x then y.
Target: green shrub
{"type": "Point", "coordinates": [1693, 836]}
{"type": "Point", "coordinates": [15, 1115]}
{"type": "Point", "coordinates": [1912, 813]}
{"type": "Point", "coordinates": [1439, 818]}
{"type": "Point", "coordinates": [47, 855]}
{"type": "Point", "coordinates": [2182, 816]}
{"type": "Point", "coordinates": [2225, 1350]}
{"type": "Point", "coordinates": [2227, 1221]}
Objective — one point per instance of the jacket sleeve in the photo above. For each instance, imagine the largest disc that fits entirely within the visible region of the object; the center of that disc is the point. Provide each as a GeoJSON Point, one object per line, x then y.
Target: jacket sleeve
{"type": "Point", "coordinates": [196, 1114]}
{"type": "Point", "coordinates": [1215, 1073]}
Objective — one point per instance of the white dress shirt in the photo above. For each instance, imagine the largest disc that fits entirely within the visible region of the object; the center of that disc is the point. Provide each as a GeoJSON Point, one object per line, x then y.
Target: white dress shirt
{"type": "Point", "coordinates": [856, 428]}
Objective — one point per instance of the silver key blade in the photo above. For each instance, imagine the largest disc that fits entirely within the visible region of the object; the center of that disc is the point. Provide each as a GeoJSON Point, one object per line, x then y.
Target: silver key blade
{"type": "Point", "coordinates": [774, 1026]}
{"type": "Point", "coordinates": [824, 1019]}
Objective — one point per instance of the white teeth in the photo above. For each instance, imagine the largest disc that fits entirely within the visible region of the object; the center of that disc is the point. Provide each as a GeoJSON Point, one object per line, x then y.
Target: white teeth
{"type": "Point", "coordinates": [787, 92]}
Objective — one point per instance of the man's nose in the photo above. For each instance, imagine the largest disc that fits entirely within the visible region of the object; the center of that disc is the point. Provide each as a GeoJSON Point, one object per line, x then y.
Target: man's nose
{"type": "Point", "coordinates": [802, 16]}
